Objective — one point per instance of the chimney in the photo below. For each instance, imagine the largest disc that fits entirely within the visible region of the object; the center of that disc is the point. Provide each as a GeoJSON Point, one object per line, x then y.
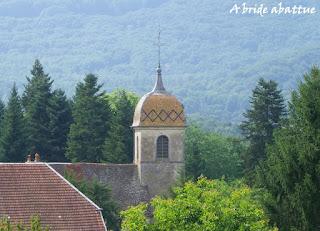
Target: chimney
{"type": "Point", "coordinates": [28, 159]}
{"type": "Point", "coordinates": [36, 157]}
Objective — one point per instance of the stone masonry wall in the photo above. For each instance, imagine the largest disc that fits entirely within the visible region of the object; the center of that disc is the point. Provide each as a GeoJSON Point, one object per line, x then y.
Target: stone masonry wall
{"type": "Point", "coordinates": [121, 178]}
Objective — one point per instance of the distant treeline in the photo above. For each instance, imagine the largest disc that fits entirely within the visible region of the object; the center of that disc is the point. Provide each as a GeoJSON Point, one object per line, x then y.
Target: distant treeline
{"type": "Point", "coordinates": [200, 47]}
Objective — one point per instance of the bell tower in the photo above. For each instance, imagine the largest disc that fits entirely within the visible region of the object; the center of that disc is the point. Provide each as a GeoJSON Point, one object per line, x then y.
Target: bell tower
{"type": "Point", "coordinates": [159, 124]}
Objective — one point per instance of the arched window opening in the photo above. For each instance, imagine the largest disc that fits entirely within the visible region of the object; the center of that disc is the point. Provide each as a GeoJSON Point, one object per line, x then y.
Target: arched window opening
{"type": "Point", "coordinates": [162, 147]}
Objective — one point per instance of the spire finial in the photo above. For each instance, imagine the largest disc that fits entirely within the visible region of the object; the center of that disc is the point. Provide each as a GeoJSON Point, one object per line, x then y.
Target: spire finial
{"type": "Point", "coordinates": [159, 84]}
{"type": "Point", "coordinates": [159, 46]}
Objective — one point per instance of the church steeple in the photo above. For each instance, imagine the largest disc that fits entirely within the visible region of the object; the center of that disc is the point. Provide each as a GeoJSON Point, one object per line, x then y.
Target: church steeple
{"type": "Point", "coordinates": [158, 87]}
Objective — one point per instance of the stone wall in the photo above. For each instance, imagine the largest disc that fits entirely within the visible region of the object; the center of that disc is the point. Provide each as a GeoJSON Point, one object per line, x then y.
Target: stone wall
{"type": "Point", "coordinates": [159, 174]}
{"type": "Point", "coordinates": [123, 180]}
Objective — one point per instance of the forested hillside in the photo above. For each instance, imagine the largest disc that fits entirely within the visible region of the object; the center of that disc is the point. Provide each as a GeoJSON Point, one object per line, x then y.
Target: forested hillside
{"type": "Point", "coordinates": [211, 59]}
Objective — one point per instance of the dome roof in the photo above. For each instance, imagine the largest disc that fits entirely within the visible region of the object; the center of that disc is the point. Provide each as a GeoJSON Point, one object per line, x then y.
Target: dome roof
{"type": "Point", "coordinates": [159, 108]}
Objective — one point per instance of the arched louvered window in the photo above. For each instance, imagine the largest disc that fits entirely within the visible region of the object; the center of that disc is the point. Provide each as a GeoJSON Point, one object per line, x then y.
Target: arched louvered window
{"type": "Point", "coordinates": [162, 147]}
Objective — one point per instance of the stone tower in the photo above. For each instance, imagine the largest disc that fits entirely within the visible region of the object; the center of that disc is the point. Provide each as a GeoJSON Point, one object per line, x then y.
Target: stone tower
{"type": "Point", "coordinates": [159, 125]}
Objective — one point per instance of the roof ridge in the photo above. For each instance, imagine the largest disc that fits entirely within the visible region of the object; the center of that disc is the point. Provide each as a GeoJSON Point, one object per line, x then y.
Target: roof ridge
{"type": "Point", "coordinates": [77, 190]}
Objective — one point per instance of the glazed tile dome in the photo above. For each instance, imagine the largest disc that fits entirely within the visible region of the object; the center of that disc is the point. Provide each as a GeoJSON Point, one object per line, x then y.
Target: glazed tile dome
{"type": "Point", "coordinates": [158, 108]}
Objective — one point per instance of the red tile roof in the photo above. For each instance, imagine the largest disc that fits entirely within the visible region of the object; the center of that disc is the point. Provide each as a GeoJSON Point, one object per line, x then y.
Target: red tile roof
{"type": "Point", "coordinates": [28, 189]}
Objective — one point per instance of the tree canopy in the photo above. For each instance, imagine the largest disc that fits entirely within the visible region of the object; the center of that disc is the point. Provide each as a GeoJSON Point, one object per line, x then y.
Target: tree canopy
{"type": "Point", "coordinates": [13, 133]}
{"type": "Point", "coordinates": [291, 171]}
{"type": "Point", "coordinates": [212, 155]}
{"type": "Point", "coordinates": [265, 114]}
{"type": "Point", "coordinates": [35, 225]}
{"type": "Point", "coordinates": [91, 121]}
{"type": "Point", "coordinates": [203, 205]}
{"type": "Point", "coordinates": [35, 100]}
{"type": "Point", "coordinates": [118, 147]}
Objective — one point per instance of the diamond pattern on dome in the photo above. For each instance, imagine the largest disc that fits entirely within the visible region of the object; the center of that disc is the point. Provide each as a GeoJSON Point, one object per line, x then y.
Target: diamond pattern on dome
{"type": "Point", "coordinates": [143, 115]}
{"type": "Point", "coordinates": [152, 115]}
{"type": "Point", "coordinates": [173, 115]}
{"type": "Point", "coordinates": [159, 110]}
{"type": "Point", "coordinates": [163, 115]}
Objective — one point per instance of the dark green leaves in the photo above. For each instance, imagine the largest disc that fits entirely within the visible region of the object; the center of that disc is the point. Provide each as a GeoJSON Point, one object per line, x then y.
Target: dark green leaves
{"type": "Point", "coordinates": [212, 155]}
{"type": "Point", "coordinates": [118, 147]}
{"type": "Point", "coordinates": [204, 205]}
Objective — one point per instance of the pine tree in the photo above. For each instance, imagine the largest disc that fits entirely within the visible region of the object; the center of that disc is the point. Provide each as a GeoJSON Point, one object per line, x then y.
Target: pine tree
{"type": "Point", "coordinates": [118, 146]}
{"type": "Point", "coordinates": [90, 122]}
{"type": "Point", "coordinates": [36, 102]}
{"type": "Point", "coordinates": [291, 172]}
{"type": "Point", "coordinates": [266, 112]}
{"type": "Point", "coordinates": [60, 120]}
{"type": "Point", "coordinates": [2, 109]}
{"type": "Point", "coordinates": [12, 140]}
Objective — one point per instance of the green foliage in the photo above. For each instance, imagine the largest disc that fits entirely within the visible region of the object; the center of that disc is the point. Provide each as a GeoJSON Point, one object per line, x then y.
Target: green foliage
{"type": "Point", "coordinates": [267, 110]}
{"type": "Point", "coordinates": [47, 116]}
{"type": "Point", "coordinates": [43, 123]}
{"type": "Point", "coordinates": [204, 205]}
{"type": "Point", "coordinates": [135, 218]}
{"type": "Point", "coordinates": [60, 120]}
{"type": "Point", "coordinates": [2, 109]}
{"type": "Point", "coordinates": [99, 194]}
{"type": "Point", "coordinates": [91, 118]}
{"type": "Point", "coordinates": [291, 171]}
{"type": "Point", "coordinates": [35, 100]}
{"type": "Point", "coordinates": [118, 147]}
{"type": "Point", "coordinates": [13, 136]}
{"type": "Point", "coordinates": [35, 225]}
{"type": "Point", "coordinates": [212, 155]}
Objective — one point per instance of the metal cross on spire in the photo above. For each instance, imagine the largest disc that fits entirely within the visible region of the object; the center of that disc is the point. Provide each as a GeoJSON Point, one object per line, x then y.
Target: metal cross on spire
{"type": "Point", "coordinates": [159, 84]}
{"type": "Point", "coordinates": [159, 44]}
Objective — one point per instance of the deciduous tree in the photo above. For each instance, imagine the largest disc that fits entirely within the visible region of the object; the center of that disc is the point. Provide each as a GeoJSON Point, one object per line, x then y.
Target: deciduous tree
{"type": "Point", "coordinates": [212, 155]}
{"type": "Point", "coordinates": [204, 205]}
{"type": "Point", "coordinates": [118, 147]}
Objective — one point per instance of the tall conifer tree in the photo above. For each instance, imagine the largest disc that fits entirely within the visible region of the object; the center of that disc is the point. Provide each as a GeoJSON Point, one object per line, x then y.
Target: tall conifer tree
{"type": "Point", "coordinates": [60, 120]}
{"type": "Point", "coordinates": [36, 102]}
{"type": "Point", "coordinates": [118, 146]}
{"type": "Point", "coordinates": [2, 109]}
{"type": "Point", "coordinates": [90, 122]}
{"type": "Point", "coordinates": [267, 110]}
{"type": "Point", "coordinates": [12, 139]}
{"type": "Point", "coordinates": [291, 172]}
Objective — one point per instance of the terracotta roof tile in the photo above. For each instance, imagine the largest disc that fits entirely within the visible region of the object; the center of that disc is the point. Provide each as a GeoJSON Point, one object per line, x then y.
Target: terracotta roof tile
{"type": "Point", "coordinates": [36, 189]}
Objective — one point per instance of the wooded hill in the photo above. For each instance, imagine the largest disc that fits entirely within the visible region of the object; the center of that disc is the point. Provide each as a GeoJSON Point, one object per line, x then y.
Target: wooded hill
{"type": "Point", "coordinates": [211, 59]}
